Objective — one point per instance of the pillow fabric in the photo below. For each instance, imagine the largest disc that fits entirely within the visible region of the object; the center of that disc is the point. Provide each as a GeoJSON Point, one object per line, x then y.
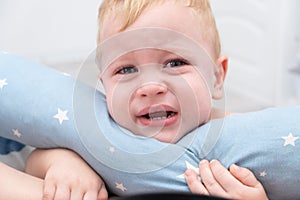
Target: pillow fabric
{"type": "Point", "coordinates": [45, 108]}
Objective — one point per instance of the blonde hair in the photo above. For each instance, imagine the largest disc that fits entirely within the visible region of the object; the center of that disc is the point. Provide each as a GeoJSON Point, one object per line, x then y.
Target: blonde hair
{"type": "Point", "coordinates": [130, 10]}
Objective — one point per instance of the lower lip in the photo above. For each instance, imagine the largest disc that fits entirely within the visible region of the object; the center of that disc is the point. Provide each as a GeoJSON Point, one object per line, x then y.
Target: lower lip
{"type": "Point", "coordinates": [159, 123]}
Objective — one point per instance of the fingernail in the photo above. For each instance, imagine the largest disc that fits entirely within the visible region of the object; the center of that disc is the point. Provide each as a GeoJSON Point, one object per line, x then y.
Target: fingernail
{"type": "Point", "coordinates": [213, 161]}
{"type": "Point", "coordinates": [203, 161]}
{"type": "Point", "coordinates": [235, 167]}
{"type": "Point", "coordinates": [188, 172]}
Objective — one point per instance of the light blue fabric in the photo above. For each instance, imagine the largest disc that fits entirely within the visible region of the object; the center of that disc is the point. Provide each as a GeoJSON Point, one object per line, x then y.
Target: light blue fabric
{"type": "Point", "coordinates": [32, 96]}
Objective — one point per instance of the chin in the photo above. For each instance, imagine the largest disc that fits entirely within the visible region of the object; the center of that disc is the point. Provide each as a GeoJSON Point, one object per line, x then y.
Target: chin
{"type": "Point", "coordinates": [168, 138]}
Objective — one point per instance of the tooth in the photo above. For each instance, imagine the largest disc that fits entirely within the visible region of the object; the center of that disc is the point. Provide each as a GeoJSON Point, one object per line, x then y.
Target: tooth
{"type": "Point", "coordinates": [158, 114]}
{"type": "Point", "coordinates": [170, 114]}
{"type": "Point", "coordinates": [158, 118]}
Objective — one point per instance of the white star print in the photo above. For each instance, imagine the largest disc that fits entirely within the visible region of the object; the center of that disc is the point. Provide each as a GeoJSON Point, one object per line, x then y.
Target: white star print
{"type": "Point", "coordinates": [66, 74]}
{"type": "Point", "coordinates": [263, 174]}
{"type": "Point", "coordinates": [61, 115]}
{"type": "Point", "coordinates": [16, 133]}
{"type": "Point", "coordinates": [120, 186]}
{"type": "Point", "coordinates": [112, 149]}
{"type": "Point", "coordinates": [189, 166]}
{"type": "Point", "coordinates": [290, 139]}
{"type": "Point", "coordinates": [3, 83]}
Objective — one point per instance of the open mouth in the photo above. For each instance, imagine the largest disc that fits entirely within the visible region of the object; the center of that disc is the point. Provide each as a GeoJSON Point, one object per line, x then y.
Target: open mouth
{"type": "Point", "coordinates": [158, 116]}
{"type": "Point", "coordinates": [161, 115]}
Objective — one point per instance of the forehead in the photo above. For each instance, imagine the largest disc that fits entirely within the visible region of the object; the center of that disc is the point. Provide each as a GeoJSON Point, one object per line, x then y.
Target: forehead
{"type": "Point", "coordinates": [170, 26]}
{"type": "Point", "coordinates": [174, 15]}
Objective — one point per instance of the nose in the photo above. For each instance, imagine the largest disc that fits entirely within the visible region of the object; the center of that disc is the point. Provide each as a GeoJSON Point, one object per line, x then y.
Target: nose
{"type": "Point", "coordinates": [151, 90]}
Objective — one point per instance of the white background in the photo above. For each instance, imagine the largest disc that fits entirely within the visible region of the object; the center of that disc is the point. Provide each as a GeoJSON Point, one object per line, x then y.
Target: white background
{"type": "Point", "coordinates": [262, 39]}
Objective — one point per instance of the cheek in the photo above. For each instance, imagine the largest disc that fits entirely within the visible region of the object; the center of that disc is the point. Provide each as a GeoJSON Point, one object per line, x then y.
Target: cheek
{"type": "Point", "coordinates": [204, 102]}
{"type": "Point", "coordinates": [118, 102]}
{"type": "Point", "coordinates": [110, 104]}
{"type": "Point", "coordinates": [202, 95]}
{"type": "Point", "coordinates": [113, 100]}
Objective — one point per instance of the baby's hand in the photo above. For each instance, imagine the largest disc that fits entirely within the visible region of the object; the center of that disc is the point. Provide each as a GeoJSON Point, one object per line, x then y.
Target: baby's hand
{"type": "Point", "coordinates": [237, 183]}
{"type": "Point", "coordinates": [67, 176]}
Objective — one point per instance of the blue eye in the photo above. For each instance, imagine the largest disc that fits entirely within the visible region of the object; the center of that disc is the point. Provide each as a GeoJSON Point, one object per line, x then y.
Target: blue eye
{"type": "Point", "coordinates": [127, 70]}
{"type": "Point", "coordinates": [176, 63]}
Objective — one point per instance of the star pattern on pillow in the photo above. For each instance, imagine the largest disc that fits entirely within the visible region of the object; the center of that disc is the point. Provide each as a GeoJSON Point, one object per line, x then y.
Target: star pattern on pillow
{"type": "Point", "coordinates": [61, 115]}
{"type": "Point", "coordinates": [120, 186]}
{"type": "Point", "coordinates": [17, 133]}
{"type": "Point", "coordinates": [66, 74]}
{"type": "Point", "coordinates": [289, 140]}
{"type": "Point", "coordinates": [263, 174]}
{"type": "Point", "coordinates": [3, 82]}
{"type": "Point", "coordinates": [111, 149]}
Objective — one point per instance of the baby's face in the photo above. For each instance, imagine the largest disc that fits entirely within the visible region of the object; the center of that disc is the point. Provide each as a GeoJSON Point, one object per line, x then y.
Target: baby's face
{"type": "Point", "coordinates": [158, 81]}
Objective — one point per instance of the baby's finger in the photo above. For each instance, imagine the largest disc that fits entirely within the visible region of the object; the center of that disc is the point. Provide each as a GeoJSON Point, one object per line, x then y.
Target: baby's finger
{"type": "Point", "coordinates": [223, 176]}
{"type": "Point", "coordinates": [102, 195]}
{"type": "Point", "coordinates": [194, 184]}
{"type": "Point", "coordinates": [62, 192]}
{"type": "Point", "coordinates": [244, 175]}
{"type": "Point", "coordinates": [49, 190]}
{"type": "Point", "coordinates": [90, 195]}
{"type": "Point", "coordinates": [209, 179]}
{"type": "Point", "coordinates": [76, 193]}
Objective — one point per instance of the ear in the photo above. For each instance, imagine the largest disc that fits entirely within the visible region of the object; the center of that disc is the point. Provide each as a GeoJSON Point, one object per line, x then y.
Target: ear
{"type": "Point", "coordinates": [220, 73]}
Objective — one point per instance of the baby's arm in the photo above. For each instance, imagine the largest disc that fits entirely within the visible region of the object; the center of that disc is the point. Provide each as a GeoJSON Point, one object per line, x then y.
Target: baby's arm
{"type": "Point", "coordinates": [18, 185]}
{"type": "Point", "coordinates": [66, 175]}
{"type": "Point", "coordinates": [237, 183]}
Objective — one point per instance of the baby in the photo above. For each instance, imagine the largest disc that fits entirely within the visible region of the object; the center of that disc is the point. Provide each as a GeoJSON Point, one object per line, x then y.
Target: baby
{"type": "Point", "coordinates": [161, 68]}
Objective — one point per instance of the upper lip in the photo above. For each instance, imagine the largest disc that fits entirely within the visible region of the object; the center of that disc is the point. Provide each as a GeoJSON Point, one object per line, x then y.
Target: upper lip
{"type": "Point", "coordinates": [155, 108]}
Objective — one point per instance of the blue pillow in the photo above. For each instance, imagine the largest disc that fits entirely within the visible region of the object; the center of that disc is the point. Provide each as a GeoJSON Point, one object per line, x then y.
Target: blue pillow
{"type": "Point", "coordinates": [45, 108]}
